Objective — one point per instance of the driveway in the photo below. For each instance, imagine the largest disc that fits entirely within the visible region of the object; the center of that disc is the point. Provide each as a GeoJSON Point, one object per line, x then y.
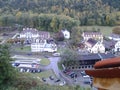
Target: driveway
{"type": "Point", "coordinates": [53, 65]}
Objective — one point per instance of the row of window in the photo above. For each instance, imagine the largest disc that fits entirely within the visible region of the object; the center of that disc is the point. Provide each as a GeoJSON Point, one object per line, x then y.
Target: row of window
{"type": "Point", "coordinates": [81, 67]}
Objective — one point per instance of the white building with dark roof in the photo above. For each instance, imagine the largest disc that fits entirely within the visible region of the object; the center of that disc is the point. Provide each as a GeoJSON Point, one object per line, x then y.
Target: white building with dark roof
{"type": "Point", "coordinates": [94, 35]}
{"type": "Point", "coordinates": [42, 45]}
{"type": "Point", "coordinates": [66, 34]}
{"type": "Point", "coordinates": [115, 37]}
{"type": "Point", "coordinates": [30, 34]}
{"type": "Point", "coordinates": [94, 46]}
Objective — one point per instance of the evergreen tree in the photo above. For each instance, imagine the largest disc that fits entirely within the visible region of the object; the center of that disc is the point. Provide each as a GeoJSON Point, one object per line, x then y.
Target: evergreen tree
{"type": "Point", "coordinates": [7, 72]}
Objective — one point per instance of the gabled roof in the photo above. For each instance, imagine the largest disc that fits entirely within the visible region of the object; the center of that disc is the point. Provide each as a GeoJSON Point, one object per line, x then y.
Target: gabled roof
{"type": "Point", "coordinates": [109, 44]}
{"type": "Point", "coordinates": [92, 33]}
{"type": "Point", "coordinates": [44, 34]}
{"type": "Point", "coordinates": [31, 30]}
{"type": "Point", "coordinates": [91, 41]}
{"type": "Point", "coordinates": [115, 35]}
{"type": "Point", "coordinates": [89, 57]}
{"type": "Point", "coordinates": [106, 55]}
{"type": "Point", "coordinates": [98, 56]}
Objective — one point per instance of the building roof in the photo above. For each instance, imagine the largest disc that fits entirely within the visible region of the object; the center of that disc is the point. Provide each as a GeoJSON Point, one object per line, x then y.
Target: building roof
{"type": "Point", "coordinates": [44, 34]}
{"type": "Point", "coordinates": [115, 35]}
{"type": "Point", "coordinates": [98, 56]}
{"type": "Point", "coordinates": [92, 33]}
{"type": "Point", "coordinates": [90, 57]}
{"type": "Point", "coordinates": [91, 41]}
{"type": "Point", "coordinates": [109, 44]}
{"type": "Point", "coordinates": [31, 30]}
{"type": "Point", "coordinates": [106, 55]}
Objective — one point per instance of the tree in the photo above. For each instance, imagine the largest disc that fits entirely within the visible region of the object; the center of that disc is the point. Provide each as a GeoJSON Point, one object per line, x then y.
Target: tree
{"type": "Point", "coordinates": [69, 57]}
{"type": "Point", "coordinates": [53, 24]}
{"type": "Point", "coordinates": [116, 30]}
{"type": "Point", "coordinates": [59, 36]}
{"type": "Point", "coordinates": [75, 36]}
{"type": "Point", "coordinates": [7, 72]}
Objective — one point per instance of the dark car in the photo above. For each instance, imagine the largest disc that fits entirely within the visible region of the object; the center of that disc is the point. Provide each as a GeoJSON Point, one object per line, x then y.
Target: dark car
{"type": "Point", "coordinates": [57, 80]}
{"type": "Point", "coordinates": [39, 70]}
{"type": "Point", "coordinates": [66, 71]}
{"type": "Point", "coordinates": [51, 78]}
{"type": "Point", "coordinates": [43, 79]}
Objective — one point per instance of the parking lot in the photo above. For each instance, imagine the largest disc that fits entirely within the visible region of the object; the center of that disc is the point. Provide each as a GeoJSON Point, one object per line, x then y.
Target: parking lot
{"type": "Point", "coordinates": [78, 77]}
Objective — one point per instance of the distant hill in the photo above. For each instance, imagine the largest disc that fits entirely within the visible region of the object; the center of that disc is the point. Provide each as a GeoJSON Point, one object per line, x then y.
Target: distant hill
{"type": "Point", "coordinates": [88, 12]}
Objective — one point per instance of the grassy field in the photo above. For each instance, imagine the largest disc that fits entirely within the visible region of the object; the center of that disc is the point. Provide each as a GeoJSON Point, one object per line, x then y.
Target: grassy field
{"type": "Point", "coordinates": [105, 30]}
{"type": "Point", "coordinates": [23, 49]}
{"type": "Point", "coordinates": [44, 74]}
{"type": "Point", "coordinates": [44, 61]}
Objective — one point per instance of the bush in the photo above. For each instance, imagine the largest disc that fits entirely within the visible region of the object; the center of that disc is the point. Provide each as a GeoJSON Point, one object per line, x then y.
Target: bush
{"type": "Point", "coordinates": [116, 30]}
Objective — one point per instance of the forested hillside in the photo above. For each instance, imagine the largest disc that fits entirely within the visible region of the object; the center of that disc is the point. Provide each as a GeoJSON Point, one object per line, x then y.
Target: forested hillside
{"type": "Point", "coordinates": [57, 14]}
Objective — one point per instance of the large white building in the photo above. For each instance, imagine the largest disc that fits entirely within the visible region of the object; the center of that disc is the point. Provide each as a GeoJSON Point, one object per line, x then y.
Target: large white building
{"type": "Point", "coordinates": [38, 40]}
{"type": "Point", "coordinates": [42, 45]}
{"type": "Point", "coordinates": [94, 35]}
{"type": "Point", "coordinates": [30, 34]}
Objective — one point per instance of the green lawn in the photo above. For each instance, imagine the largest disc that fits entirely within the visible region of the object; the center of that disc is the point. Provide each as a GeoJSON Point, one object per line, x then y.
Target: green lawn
{"type": "Point", "coordinates": [44, 61]}
{"type": "Point", "coordinates": [23, 49]}
{"type": "Point", "coordinates": [44, 74]}
{"type": "Point", "coordinates": [105, 30]}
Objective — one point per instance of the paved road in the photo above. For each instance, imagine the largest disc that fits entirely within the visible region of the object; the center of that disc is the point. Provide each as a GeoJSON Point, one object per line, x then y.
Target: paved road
{"type": "Point", "coordinates": [53, 65]}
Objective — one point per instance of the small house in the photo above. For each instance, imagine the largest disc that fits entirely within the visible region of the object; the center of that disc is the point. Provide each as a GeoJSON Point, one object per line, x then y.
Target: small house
{"type": "Point", "coordinates": [94, 46]}
{"type": "Point", "coordinates": [66, 34]}
{"type": "Point", "coordinates": [115, 37]}
{"type": "Point", "coordinates": [117, 46]}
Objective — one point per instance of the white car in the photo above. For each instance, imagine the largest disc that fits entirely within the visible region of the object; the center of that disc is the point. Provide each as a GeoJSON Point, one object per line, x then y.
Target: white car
{"type": "Point", "coordinates": [56, 54]}
{"type": "Point", "coordinates": [62, 83]}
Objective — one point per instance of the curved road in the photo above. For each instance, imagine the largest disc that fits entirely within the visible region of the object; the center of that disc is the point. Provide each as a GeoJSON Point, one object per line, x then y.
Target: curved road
{"type": "Point", "coordinates": [54, 66]}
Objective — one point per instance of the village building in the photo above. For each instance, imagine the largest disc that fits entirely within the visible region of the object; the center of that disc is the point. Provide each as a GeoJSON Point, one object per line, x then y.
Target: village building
{"type": "Point", "coordinates": [111, 45]}
{"type": "Point", "coordinates": [92, 34]}
{"type": "Point", "coordinates": [115, 37]}
{"type": "Point", "coordinates": [117, 46]}
{"type": "Point", "coordinates": [38, 40]}
{"type": "Point", "coordinates": [42, 45]}
{"type": "Point", "coordinates": [94, 46]}
{"type": "Point", "coordinates": [87, 61]}
{"type": "Point", "coordinates": [30, 34]}
{"type": "Point", "coordinates": [66, 34]}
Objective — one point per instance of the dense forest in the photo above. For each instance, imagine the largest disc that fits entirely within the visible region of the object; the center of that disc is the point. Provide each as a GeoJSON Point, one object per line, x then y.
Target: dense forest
{"type": "Point", "coordinates": [53, 15]}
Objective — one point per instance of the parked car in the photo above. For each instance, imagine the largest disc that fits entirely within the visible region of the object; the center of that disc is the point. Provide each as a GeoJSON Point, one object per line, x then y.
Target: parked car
{"type": "Point", "coordinates": [43, 79]}
{"type": "Point", "coordinates": [84, 74]}
{"type": "Point", "coordinates": [51, 77]}
{"type": "Point", "coordinates": [66, 71]}
{"type": "Point", "coordinates": [56, 54]}
{"type": "Point", "coordinates": [87, 79]}
{"type": "Point", "coordinates": [73, 75]}
{"type": "Point", "coordinates": [58, 80]}
{"type": "Point", "coordinates": [62, 83]}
